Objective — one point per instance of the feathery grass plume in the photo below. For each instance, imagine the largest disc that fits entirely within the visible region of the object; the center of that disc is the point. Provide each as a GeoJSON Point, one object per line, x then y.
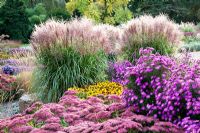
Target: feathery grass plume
{"type": "Point", "coordinates": [71, 54]}
{"type": "Point", "coordinates": [78, 33]}
{"type": "Point", "coordinates": [146, 31]}
{"type": "Point", "coordinates": [187, 27]}
{"type": "Point", "coordinates": [92, 40]}
{"type": "Point", "coordinates": [23, 80]}
{"type": "Point", "coordinates": [114, 34]}
{"type": "Point", "coordinates": [47, 34]}
{"type": "Point", "coordinates": [22, 57]}
{"type": "Point", "coordinates": [21, 60]}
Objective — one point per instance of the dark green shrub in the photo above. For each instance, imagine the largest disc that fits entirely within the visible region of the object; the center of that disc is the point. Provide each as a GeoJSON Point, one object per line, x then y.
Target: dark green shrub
{"type": "Point", "coordinates": [177, 10]}
{"type": "Point", "coordinates": [59, 13]}
{"type": "Point", "coordinates": [14, 21]}
{"type": "Point", "coordinates": [37, 14]}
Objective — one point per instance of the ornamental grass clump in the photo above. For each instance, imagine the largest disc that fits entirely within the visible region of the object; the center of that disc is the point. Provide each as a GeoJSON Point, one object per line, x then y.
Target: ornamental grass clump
{"type": "Point", "coordinates": [160, 86]}
{"type": "Point", "coordinates": [68, 54]}
{"type": "Point", "coordinates": [146, 31]}
{"type": "Point", "coordinates": [104, 88]}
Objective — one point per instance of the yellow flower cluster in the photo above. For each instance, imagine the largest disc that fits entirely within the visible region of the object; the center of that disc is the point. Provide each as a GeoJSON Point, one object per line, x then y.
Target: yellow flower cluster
{"type": "Point", "coordinates": [105, 88]}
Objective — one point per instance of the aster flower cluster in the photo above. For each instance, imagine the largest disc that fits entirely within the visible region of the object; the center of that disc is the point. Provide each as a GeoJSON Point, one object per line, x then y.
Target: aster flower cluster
{"type": "Point", "coordinates": [160, 86]}
{"type": "Point", "coordinates": [95, 115]}
{"type": "Point", "coordinates": [191, 126]}
{"type": "Point", "coordinates": [7, 69]}
{"type": "Point", "coordinates": [104, 88]}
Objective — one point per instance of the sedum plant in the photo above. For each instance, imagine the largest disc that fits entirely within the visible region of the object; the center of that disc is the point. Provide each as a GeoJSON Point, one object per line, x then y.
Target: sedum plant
{"type": "Point", "coordinates": [8, 88]}
{"type": "Point", "coordinates": [94, 114]}
{"type": "Point", "coordinates": [68, 54]}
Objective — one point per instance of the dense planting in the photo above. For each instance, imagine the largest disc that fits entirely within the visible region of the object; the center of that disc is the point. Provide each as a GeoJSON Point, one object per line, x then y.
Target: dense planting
{"type": "Point", "coordinates": [96, 115]}
{"type": "Point", "coordinates": [79, 66]}
{"type": "Point", "coordinates": [161, 87]}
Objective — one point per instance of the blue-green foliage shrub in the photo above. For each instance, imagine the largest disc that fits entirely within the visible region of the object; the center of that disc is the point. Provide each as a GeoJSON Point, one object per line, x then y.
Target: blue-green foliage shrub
{"type": "Point", "coordinates": [192, 46]}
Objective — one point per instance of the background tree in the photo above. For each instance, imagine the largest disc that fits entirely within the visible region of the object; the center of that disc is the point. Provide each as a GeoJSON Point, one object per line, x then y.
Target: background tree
{"type": "Point", "coordinates": [37, 14]}
{"type": "Point", "coordinates": [2, 2]}
{"type": "Point", "coordinates": [106, 11]}
{"type": "Point", "coordinates": [178, 10]}
{"type": "Point", "coordinates": [14, 21]}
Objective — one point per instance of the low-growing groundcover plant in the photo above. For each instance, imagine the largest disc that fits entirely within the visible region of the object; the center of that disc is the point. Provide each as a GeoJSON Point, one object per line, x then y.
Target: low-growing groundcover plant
{"type": "Point", "coordinates": [74, 115]}
{"type": "Point", "coordinates": [161, 87]}
{"type": "Point", "coordinates": [101, 88]}
{"type": "Point", "coordinates": [68, 54]}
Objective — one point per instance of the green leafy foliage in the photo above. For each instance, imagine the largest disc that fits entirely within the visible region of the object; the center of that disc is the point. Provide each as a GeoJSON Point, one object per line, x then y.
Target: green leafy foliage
{"type": "Point", "coordinates": [37, 14]}
{"type": "Point", "coordinates": [63, 122]}
{"type": "Point", "coordinates": [14, 21]}
{"type": "Point", "coordinates": [122, 15]}
{"type": "Point", "coordinates": [2, 2]}
{"type": "Point", "coordinates": [105, 11]}
{"type": "Point", "coordinates": [35, 124]}
{"type": "Point", "coordinates": [59, 13]}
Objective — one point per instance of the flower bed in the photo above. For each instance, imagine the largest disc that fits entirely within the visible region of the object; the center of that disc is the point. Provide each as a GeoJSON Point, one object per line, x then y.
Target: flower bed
{"type": "Point", "coordinates": [97, 115]}
{"type": "Point", "coordinates": [160, 86]}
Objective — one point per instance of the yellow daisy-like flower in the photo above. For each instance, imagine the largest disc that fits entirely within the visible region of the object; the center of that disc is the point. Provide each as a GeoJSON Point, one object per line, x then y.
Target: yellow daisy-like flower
{"type": "Point", "coordinates": [105, 88]}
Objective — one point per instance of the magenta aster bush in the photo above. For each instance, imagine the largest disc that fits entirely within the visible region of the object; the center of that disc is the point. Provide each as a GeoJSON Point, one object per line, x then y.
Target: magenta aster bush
{"type": "Point", "coordinates": [160, 86]}
{"type": "Point", "coordinates": [73, 115]}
